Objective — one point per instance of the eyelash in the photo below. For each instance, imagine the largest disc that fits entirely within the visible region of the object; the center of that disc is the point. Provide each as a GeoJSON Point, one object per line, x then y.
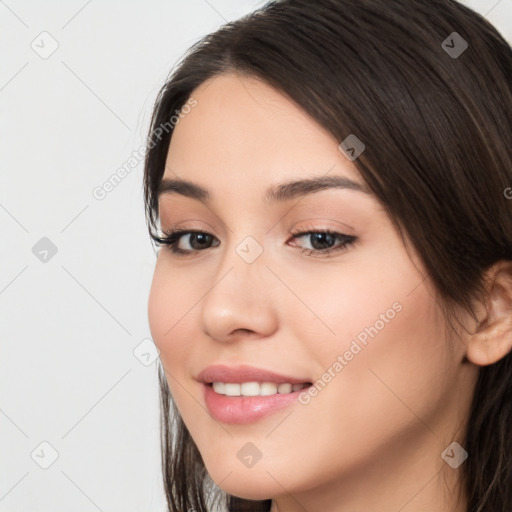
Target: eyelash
{"type": "Point", "coordinates": [172, 238]}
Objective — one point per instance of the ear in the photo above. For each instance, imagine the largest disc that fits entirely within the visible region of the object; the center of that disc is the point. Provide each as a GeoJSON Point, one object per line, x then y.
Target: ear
{"type": "Point", "coordinates": [492, 339]}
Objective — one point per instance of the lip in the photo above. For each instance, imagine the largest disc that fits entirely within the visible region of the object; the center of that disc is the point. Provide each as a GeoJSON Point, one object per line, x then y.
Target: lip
{"type": "Point", "coordinates": [241, 410]}
{"type": "Point", "coordinates": [244, 373]}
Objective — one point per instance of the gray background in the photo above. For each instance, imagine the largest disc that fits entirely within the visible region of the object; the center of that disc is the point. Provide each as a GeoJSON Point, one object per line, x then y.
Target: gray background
{"type": "Point", "coordinates": [79, 402]}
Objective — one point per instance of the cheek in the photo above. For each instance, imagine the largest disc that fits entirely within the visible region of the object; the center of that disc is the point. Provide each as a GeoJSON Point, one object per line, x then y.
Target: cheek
{"type": "Point", "coordinates": [397, 375]}
{"type": "Point", "coordinates": [340, 304]}
{"type": "Point", "coordinates": [169, 304]}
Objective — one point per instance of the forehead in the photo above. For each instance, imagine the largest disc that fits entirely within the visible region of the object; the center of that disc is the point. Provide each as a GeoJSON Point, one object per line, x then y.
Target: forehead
{"type": "Point", "coordinates": [244, 128]}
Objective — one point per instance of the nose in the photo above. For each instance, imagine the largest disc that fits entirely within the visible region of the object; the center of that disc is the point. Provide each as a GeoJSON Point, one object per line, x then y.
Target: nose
{"type": "Point", "coordinates": [239, 301]}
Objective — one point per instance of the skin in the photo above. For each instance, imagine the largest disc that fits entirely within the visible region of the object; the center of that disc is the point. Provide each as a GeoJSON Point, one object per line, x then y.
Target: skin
{"type": "Point", "coordinates": [372, 438]}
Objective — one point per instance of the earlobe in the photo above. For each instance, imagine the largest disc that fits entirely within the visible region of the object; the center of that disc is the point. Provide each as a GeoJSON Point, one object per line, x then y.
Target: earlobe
{"type": "Point", "coordinates": [492, 339]}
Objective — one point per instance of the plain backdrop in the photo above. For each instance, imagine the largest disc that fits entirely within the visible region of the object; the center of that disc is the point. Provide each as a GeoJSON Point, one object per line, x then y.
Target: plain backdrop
{"type": "Point", "coordinates": [79, 410]}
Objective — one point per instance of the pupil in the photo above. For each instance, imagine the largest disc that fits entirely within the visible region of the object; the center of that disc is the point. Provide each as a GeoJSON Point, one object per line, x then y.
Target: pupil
{"type": "Point", "coordinates": [321, 238]}
{"type": "Point", "coordinates": [198, 236]}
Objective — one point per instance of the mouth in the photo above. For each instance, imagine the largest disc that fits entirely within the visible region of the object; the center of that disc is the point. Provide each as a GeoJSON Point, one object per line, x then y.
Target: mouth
{"type": "Point", "coordinates": [254, 388]}
{"type": "Point", "coordinates": [245, 394]}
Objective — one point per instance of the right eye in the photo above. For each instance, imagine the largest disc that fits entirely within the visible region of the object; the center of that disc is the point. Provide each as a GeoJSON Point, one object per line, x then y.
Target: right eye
{"type": "Point", "coordinates": [198, 241]}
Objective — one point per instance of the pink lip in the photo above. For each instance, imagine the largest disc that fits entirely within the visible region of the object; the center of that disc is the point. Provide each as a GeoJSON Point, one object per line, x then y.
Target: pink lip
{"type": "Point", "coordinates": [244, 409]}
{"type": "Point", "coordinates": [244, 373]}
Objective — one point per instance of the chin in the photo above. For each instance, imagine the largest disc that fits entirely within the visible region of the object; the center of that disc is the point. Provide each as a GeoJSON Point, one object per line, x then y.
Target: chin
{"type": "Point", "coordinates": [247, 483]}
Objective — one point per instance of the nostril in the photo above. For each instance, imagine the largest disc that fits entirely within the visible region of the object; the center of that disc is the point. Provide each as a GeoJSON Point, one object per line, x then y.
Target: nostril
{"type": "Point", "coordinates": [244, 331]}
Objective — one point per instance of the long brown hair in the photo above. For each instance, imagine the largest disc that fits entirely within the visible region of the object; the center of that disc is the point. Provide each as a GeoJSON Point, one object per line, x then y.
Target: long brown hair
{"type": "Point", "coordinates": [436, 119]}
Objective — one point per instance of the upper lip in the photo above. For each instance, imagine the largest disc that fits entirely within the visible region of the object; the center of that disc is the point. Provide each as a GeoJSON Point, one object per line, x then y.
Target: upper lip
{"type": "Point", "coordinates": [244, 373]}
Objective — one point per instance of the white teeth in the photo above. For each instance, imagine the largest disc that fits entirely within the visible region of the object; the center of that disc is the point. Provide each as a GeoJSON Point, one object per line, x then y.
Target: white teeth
{"type": "Point", "coordinates": [250, 389]}
{"type": "Point", "coordinates": [268, 388]}
{"type": "Point", "coordinates": [231, 389]}
{"type": "Point", "coordinates": [255, 388]}
{"type": "Point", "coordinates": [218, 387]}
{"type": "Point", "coordinates": [284, 388]}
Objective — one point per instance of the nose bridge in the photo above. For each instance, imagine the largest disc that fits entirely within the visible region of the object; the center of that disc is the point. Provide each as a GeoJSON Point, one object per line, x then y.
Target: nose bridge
{"type": "Point", "coordinates": [239, 294]}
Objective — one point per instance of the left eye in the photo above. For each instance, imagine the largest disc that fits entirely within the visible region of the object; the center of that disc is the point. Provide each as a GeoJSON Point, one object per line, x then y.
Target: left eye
{"type": "Point", "coordinates": [324, 242]}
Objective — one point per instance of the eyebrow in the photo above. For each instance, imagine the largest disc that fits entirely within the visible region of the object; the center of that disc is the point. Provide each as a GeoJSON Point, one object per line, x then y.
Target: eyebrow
{"type": "Point", "coordinates": [276, 193]}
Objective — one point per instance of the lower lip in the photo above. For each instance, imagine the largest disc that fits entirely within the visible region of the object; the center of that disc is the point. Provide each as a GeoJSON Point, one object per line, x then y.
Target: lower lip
{"type": "Point", "coordinates": [240, 410]}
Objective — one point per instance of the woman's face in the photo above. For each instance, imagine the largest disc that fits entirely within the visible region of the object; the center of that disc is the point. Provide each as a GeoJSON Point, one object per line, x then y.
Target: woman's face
{"type": "Point", "coordinates": [360, 323]}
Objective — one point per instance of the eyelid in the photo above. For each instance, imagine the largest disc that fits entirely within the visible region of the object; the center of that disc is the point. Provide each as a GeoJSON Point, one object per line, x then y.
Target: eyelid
{"type": "Point", "coordinates": [186, 225]}
{"type": "Point", "coordinates": [322, 224]}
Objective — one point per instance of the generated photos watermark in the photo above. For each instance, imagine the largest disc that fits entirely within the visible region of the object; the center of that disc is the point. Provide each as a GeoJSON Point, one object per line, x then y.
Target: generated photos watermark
{"type": "Point", "coordinates": [100, 192]}
{"type": "Point", "coordinates": [344, 359]}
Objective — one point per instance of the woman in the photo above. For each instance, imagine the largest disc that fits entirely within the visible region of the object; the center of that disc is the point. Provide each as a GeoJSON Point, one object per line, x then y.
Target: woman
{"type": "Point", "coordinates": [332, 301]}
